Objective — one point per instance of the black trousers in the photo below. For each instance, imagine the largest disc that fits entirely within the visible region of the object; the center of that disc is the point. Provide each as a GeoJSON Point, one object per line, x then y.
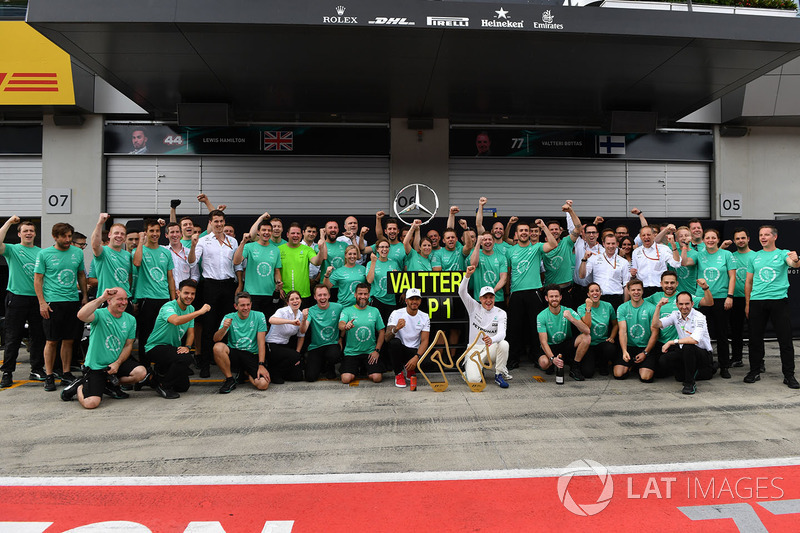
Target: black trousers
{"type": "Point", "coordinates": [597, 358]}
{"type": "Point", "coordinates": [219, 295]}
{"type": "Point", "coordinates": [145, 321]}
{"type": "Point", "coordinates": [614, 299]}
{"type": "Point", "coordinates": [322, 358]}
{"type": "Point", "coordinates": [688, 362]}
{"type": "Point", "coordinates": [19, 310]}
{"type": "Point", "coordinates": [399, 354]}
{"type": "Point", "coordinates": [172, 368]}
{"type": "Point", "coordinates": [282, 363]}
{"type": "Point", "coordinates": [265, 304]}
{"type": "Point", "coordinates": [718, 319]}
{"type": "Point", "coordinates": [737, 321]}
{"type": "Point", "coordinates": [778, 311]}
{"type": "Point", "coordinates": [522, 310]}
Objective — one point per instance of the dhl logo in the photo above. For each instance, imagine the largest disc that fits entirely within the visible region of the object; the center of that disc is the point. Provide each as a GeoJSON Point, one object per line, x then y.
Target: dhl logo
{"type": "Point", "coordinates": [29, 82]}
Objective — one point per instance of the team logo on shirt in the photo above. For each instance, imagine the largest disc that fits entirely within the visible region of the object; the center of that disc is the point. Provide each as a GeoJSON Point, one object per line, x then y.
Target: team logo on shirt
{"type": "Point", "coordinates": [28, 269]}
{"type": "Point", "coordinates": [157, 274]}
{"type": "Point", "coordinates": [682, 272]}
{"type": "Point", "coordinates": [711, 274]}
{"type": "Point", "coordinates": [264, 269]}
{"type": "Point", "coordinates": [337, 262]}
{"type": "Point", "coordinates": [490, 277]}
{"type": "Point", "coordinates": [352, 287]}
{"type": "Point", "coordinates": [327, 333]}
{"type": "Point", "coordinates": [121, 275]}
{"type": "Point", "coordinates": [558, 337]}
{"type": "Point", "coordinates": [522, 267]}
{"type": "Point", "coordinates": [767, 274]}
{"type": "Point", "coordinates": [66, 278]}
{"type": "Point", "coordinates": [599, 330]}
{"type": "Point", "coordinates": [382, 283]}
{"type": "Point", "coordinates": [636, 332]}
{"type": "Point", "coordinates": [741, 274]}
{"type": "Point", "coordinates": [554, 262]}
{"type": "Point", "coordinates": [113, 344]}
{"type": "Point", "coordinates": [363, 333]}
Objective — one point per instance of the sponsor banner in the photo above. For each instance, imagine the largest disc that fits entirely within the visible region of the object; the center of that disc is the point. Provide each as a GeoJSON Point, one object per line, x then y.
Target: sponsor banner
{"type": "Point", "coordinates": [584, 496]}
{"type": "Point", "coordinates": [33, 71]}
{"type": "Point", "coordinates": [137, 139]}
{"type": "Point", "coordinates": [510, 142]}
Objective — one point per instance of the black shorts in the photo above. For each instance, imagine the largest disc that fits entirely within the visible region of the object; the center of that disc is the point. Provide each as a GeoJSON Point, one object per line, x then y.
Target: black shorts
{"type": "Point", "coordinates": [650, 362]}
{"type": "Point", "coordinates": [63, 323]}
{"type": "Point", "coordinates": [359, 365]}
{"type": "Point", "coordinates": [566, 349]}
{"type": "Point", "coordinates": [244, 361]}
{"type": "Point", "coordinates": [95, 382]}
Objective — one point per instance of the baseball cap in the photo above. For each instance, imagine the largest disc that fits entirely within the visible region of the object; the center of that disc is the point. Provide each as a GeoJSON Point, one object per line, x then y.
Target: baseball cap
{"type": "Point", "coordinates": [486, 290]}
{"type": "Point", "coordinates": [410, 293]}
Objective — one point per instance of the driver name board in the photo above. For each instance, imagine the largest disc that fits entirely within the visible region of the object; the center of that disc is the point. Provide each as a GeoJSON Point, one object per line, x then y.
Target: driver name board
{"type": "Point", "coordinates": [439, 292]}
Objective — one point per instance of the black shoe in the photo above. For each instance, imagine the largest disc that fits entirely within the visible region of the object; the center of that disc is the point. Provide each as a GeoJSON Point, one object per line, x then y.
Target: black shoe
{"type": "Point", "coordinates": [714, 368]}
{"type": "Point", "coordinates": [167, 394]}
{"type": "Point", "coordinates": [513, 365]}
{"type": "Point", "coordinates": [575, 373]}
{"type": "Point", "coordinates": [275, 379]}
{"type": "Point", "coordinates": [50, 382]}
{"type": "Point", "coordinates": [762, 368]}
{"type": "Point", "coordinates": [205, 372]}
{"type": "Point", "coordinates": [7, 380]}
{"type": "Point", "coordinates": [189, 371]}
{"type": "Point", "coordinates": [174, 203]}
{"type": "Point", "coordinates": [37, 375]}
{"type": "Point", "coordinates": [115, 392]}
{"type": "Point", "coordinates": [689, 388]}
{"type": "Point", "coordinates": [752, 377]}
{"type": "Point", "coordinates": [228, 385]}
{"type": "Point", "coordinates": [724, 373]}
{"type": "Point", "coordinates": [147, 381]}
{"type": "Point", "coordinates": [737, 363]}
{"type": "Point", "coordinates": [330, 374]}
{"type": "Point", "coordinates": [71, 390]}
{"type": "Point", "coordinates": [791, 382]}
{"type": "Point", "coordinates": [241, 377]}
{"type": "Point", "coordinates": [67, 378]}
{"type": "Point", "coordinates": [550, 370]}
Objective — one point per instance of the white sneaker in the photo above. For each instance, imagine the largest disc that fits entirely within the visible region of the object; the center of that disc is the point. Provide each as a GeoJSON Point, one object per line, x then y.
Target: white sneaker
{"type": "Point", "coordinates": [507, 375]}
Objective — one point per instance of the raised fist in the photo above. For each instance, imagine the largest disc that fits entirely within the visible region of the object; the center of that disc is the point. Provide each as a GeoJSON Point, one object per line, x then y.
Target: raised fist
{"type": "Point", "coordinates": [470, 270]}
{"type": "Point", "coordinates": [463, 223]}
{"type": "Point", "coordinates": [103, 218]}
{"type": "Point", "coordinates": [482, 201]}
{"type": "Point", "coordinates": [227, 322]}
{"type": "Point", "coordinates": [202, 198]}
{"type": "Point", "coordinates": [636, 211]}
{"type": "Point", "coordinates": [380, 214]}
{"type": "Point", "coordinates": [108, 293]}
{"type": "Point", "coordinates": [588, 303]}
{"type": "Point", "coordinates": [400, 324]}
{"type": "Point", "coordinates": [454, 209]}
{"type": "Point", "coordinates": [205, 309]}
{"type": "Point", "coordinates": [364, 231]}
{"type": "Point", "coordinates": [14, 219]}
{"type": "Point", "coordinates": [513, 220]}
{"type": "Point", "coordinates": [246, 238]}
{"type": "Point", "coordinates": [328, 271]}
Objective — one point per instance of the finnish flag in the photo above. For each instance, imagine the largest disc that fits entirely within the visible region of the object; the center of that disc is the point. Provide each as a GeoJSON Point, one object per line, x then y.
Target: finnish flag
{"type": "Point", "coordinates": [611, 144]}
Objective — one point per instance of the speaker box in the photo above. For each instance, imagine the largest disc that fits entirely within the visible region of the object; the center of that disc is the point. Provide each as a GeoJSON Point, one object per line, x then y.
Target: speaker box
{"type": "Point", "coordinates": [420, 123]}
{"type": "Point", "coordinates": [732, 131]}
{"type": "Point", "coordinates": [68, 120]}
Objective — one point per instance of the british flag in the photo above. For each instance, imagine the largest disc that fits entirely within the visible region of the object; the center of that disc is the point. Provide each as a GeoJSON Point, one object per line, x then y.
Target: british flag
{"type": "Point", "coordinates": [278, 141]}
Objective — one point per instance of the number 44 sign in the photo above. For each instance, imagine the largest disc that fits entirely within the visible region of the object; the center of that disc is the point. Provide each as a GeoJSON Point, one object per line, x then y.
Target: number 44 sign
{"type": "Point", "coordinates": [58, 201]}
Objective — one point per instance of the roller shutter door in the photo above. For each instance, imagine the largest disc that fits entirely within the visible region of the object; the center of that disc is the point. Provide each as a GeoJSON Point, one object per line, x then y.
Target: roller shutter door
{"type": "Point", "coordinates": [21, 183]}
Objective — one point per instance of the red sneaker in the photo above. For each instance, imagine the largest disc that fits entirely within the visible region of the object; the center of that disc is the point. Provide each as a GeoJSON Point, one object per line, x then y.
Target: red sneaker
{"type": "Point", "coordinates": [400, 381]}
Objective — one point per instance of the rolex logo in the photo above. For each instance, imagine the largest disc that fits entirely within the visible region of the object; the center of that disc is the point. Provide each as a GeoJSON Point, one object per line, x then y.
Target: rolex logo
{"type": "Point", "coordinates": [340, 10]}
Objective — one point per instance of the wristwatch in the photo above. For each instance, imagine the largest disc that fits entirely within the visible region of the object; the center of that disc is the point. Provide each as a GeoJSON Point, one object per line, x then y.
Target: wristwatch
{"type": "Point", "coordinates": [262, 363]}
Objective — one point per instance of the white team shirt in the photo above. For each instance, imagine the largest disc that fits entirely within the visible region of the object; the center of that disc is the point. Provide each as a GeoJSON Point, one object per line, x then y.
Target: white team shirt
{"type": "Point", "coordinates": [217, 257]}
{"type": "Point", "coordinates": [651, 262]}
{"type": "Point", "coordinates": [695, 326]}
{"type": "Point", "coordinates": [580, 252]}
{"type": "Point", "coordinates": [183, 269]}
{"type": "Point", "coordinates": [493, 322]}
{"type": "Point", "coordinates": [611, 273]}
{"type": "Point", "coordinates": [409, 335]}
{"type": "Point", "coordinates": [281, 333]}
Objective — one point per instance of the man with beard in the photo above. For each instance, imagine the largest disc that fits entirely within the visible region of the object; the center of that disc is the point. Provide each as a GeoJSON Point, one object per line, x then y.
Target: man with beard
{"type": "Point", "coordinates": [491, 269]}
{"type": "Point", "coordinates": [262, 275]}
{"type": "Point", "coordinates": [325, 348]}
{"type": "Point", "coordinates": [435, 239]}
{"type": "Point", "coordinates": [741, 259]}
{"type": "Point", "coordinates": [110, 346]}
{"type": "Point", "coordinates": [555, 335]}
{"type": "Point", "coordinates": [407, 337]}
{"type": "Point", "coordinates": [351, 235]}
{"type": "Point", "coordinates": [497, 231]}
{"type": "Point", "coordinates": [363, 328]}
{"type": "Point", "coordinates": [669, 290]}
{"type": "Point", "coordinates": [452, 256]}
{"type": "Point", "coordinates": [245, 348]}
{"type": "Point", "coordinates": [335, 247]}
{"type": "Point", "coordinates": [397, 250]}
{"type": "Point", "coordinates": [295, 260]}
{"type": "Point", "coordinates": [559, 262]}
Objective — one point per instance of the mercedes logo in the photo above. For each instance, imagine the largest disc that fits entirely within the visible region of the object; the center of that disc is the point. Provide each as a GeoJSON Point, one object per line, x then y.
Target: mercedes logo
{"type": "Point", "coordinates": [414, 205]}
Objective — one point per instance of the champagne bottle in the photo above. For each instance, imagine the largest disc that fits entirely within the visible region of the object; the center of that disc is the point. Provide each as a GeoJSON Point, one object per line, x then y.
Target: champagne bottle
{"type": "Point", "coordinates": [559, 373]}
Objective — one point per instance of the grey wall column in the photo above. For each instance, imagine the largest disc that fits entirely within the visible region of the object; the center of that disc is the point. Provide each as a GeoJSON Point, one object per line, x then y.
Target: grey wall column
{"type": "Point", "coordinates": [421, 158]}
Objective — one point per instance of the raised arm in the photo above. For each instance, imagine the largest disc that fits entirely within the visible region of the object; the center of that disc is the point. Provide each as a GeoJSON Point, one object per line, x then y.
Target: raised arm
{"type": "Point", "coordinates": [451, 216]}
{"type": "Point", "coordinates": [551, 241]}
{"type": "Point", "coordinates": [638, 212]}
{"type": "Point", "coordinates": [257, 223]}
{"type": "Point", "coordinates": [379, 224]}
{"type": "Point", "coordinates": [179, 320]}
{"type": "Point", "coordinates": [86, 313]}
{"type": "Point", "coordinates": [583, 328]}
{"type": "Point", "coordinates": [238, 255]}
{"type": "Point", "coordinates": [708, 298]}
{"type": "Point", "coordinates": [411, 236]}
{"type": "Point", "coordinates": [137, 256]}
{"type": "Point", "coordinates": [575, 229]}
{"type": "Point", "coordinates": [97, 235]}
{"type": "Point", "coordinates": [507, 232]}
{"type": "Point", "coordinates": [479, 216]}
{"type": "Point", "coordinates": [14, 219]}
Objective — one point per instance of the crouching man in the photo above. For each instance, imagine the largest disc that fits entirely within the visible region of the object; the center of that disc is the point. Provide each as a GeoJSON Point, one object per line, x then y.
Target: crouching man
{"type": "Point", "coordinates": [245, 349]}
{"type": "Point", "coordinates": [108, 356]}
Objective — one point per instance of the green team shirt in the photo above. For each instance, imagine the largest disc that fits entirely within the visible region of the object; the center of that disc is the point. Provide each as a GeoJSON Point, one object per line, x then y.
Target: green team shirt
{"type": "Point", "coordinates": [714, 269]}
{"type": "Point", "coordinates": [60, 270]}
{"type": "Point", "coordinates": [670, 333]}
{"type": "Point", "coordinates": [345, 279]}
{"type": "Point", "coordinates": [283, 241]}
{"type": "Point", "coordinates": [687, 275]}
{"type": "Point", "coordinates": [741, 262]}
{"type": "Point", "coordinates": [324, 325]}
{"type": "Point", "coordinates": [397, 252]}
{"type": "Point", "coordinates": [243, 333]}
{"type": "Point", "coordinates": [559, 263]}
{"type": "Point", "coordinates": [501, 246]}
{"type": "Point", "coordinates": [700, 247]}
{"type": "Point", "coordinates": [362, 338]}
{"type": "Point", "coordinates": [637, 322]}
{"type": "Point", "coordinates": [416, 263]}
{"type": "Point", "coordinates": [450, 261]}
{"type": "Point", "coordinates": [601, 321]}
{"type": "Point", "coordinates": [108, 337]}
{"type": "Point", "coordinates": [112, 269]}
{"type": "Point", "coordinates": [488, 273]}
{"type": "Point", "coordinates": [335, 255]}
{"type": "Point", "coordinates": [770, 275]}
{"type": "Point", "coordinates": [294, 269]}
{"type": "Point", "coordinates": [21, 262]}
{"type": "Point", "coordinates": [259, 277]}
{"type": "Point", "coordinates": [164, 333]}
{"type": "Point", "coordinates": [557, 327]}
{"type": "Point", "coordinates": [152, 281]}
{"type": "Point", "coordinates": [378, 290]}
{"type": "Point", "coordinates": [525, 262]}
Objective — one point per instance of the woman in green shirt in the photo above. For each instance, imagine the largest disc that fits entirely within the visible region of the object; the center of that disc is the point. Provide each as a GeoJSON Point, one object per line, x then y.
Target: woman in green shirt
{"type": "Point", "coordinates": [418, 257]}
{"type": "Point", "coordinates": [602, 322]}
{"type": "Point", "coordinates": [347, 277]}
{"type": "Point", "coordinates": [379, 269]}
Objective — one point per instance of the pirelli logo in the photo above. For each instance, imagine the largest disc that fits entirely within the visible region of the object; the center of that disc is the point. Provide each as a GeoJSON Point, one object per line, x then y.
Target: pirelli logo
{"type": "Point", "coordinates": [29, 82]}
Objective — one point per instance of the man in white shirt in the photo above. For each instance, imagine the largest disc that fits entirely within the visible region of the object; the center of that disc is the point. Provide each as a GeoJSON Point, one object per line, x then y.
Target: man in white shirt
{"type": "Point", "coordinates": [407, 336]}
{"type": "Point", "coordinates": [491, 321]}
{"type": "Point", "coordinates": [689, 356]}
{"type": "Point", "coordinates": [608, 270]}
{"type": "Point", "coordinates": [650, 260]}
{"type": "Point", "coordinates": [219, 281]}
{"type": "Point", "coordinates": [586, 243]}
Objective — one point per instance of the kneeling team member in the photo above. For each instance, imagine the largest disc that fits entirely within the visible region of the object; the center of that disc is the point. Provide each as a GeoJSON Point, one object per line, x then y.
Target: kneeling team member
{"type": "Point", "coordinates": [110, 345]}
{"type": "Point", "coordinates": [407, 336]}
{"type": "Point", "coordinates": [364, 330]}
{"type": "Point", "coordinates": [325, 348]}
{"type": "Point", "coordinates": [636, 337]}
{"type": "Point", "coordinates": [491, 321]}
{"type": "Point", "coordinates": [163, 348]}
{"type": "Point", "coordinates": [555, 335]}
{"type": "Point", "coordinates": [246, 347]}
